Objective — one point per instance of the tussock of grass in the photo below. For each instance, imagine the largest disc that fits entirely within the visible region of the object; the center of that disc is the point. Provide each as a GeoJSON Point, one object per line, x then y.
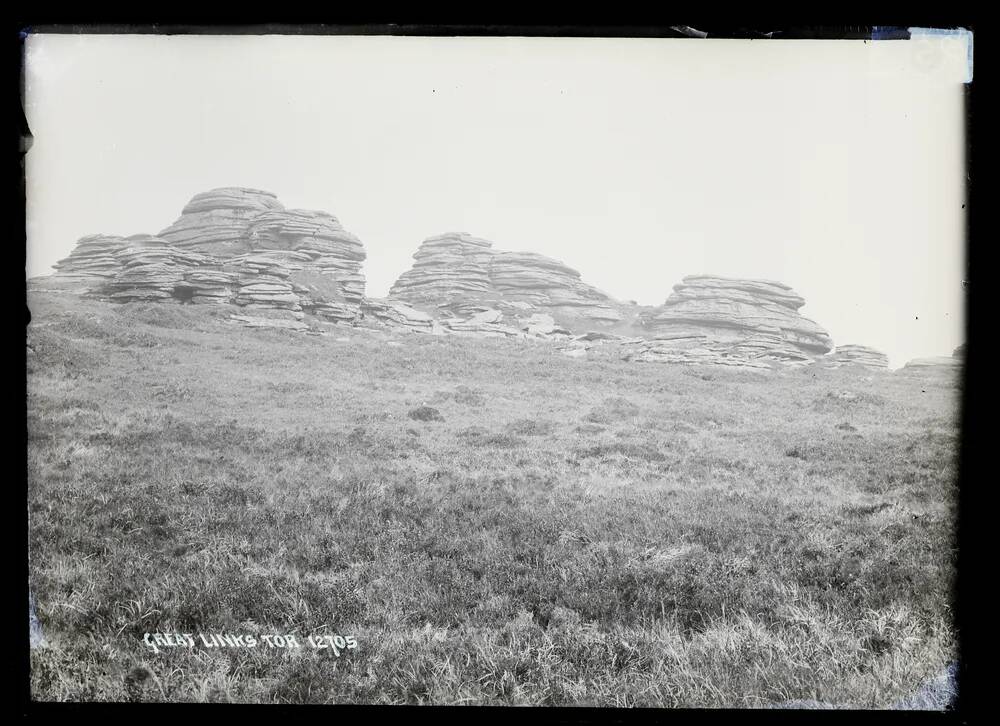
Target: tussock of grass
{"type": "Point", "coordinates": [689, 540]}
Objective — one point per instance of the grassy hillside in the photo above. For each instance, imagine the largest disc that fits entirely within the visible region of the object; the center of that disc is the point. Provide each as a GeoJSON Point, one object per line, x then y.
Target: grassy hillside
{"type": "Point", "coordinates": [572, 531]}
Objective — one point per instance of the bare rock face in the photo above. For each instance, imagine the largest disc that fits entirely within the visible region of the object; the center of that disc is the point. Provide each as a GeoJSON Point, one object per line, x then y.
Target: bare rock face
{"type": "Point", "coordinates": [231, 246]}
{"type": "Point", "coordinates": [860, 355]}
{"type": "Point", "coordinates": [746, 323]}
{"type": "Point", "coordinates": [460, 278]}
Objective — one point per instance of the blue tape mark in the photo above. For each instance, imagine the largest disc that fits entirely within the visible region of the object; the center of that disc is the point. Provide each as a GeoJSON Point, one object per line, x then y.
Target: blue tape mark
{"type": "Point", "coordinates": [888, 32]}
{"type": "Point", "coordinates": [949, 33]}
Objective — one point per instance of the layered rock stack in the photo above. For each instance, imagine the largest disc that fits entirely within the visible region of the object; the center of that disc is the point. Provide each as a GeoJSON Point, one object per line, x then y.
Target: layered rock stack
{"type": "Point", "coordinates": [457, 277]}
{"type": "Point", "coordinates": [550, 286]}
{"type": "Point", "coordinates": [751, 323]}
{"type": "Point", "coordinates": [860, 355]}
{"type": "Point", "coordinates": [449, 270]}
{"type": "Point", "coordinates": [150, 269]}
{"type": "Point", "coordinates": [93, 259]}
{"type": "Point", "coordinates": [231, 246]}
{"type": "Point", "coordinates": [215, 222]}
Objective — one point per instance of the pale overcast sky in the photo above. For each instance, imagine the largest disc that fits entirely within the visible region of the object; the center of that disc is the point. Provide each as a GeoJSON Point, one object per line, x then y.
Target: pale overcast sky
{"type": "Point", "coordinates": [836, 167]}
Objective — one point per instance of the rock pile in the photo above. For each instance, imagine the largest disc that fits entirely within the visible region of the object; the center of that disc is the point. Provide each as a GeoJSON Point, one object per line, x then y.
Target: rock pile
{"type": "Point", "coordinates": [750, 323]}
{"type": "Point", "coordinates": [459, 276]}
{"type": "Point", "coordinates": [232, 246]}
{"type": "Point", "coordinates": [860, 355]}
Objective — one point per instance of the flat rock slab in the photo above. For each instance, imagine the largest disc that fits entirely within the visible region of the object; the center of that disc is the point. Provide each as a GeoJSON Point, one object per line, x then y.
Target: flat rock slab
{"type": "Point", "coordinates": [255, 322]}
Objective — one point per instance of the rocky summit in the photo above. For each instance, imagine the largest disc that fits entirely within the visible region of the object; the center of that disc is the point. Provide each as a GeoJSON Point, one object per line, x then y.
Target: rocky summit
{"type": "Point", "coordinates": [216, 221]}
{"type": "Point", "coordinates": [231, 246]}
{"type": "Point", "coordinates": [291, 268]}
{"type": "Point", "coordinates": [472, 287]}
{"type": "Point", "coordinates": [860, 355]}
{"type": "Point", "coordinates": [749, 323]}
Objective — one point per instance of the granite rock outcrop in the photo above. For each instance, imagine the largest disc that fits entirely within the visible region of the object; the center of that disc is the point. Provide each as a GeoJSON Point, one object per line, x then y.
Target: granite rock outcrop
{"type": "Point", "coordinates": [231, 246]}
{"type": "Point", "coordinates": [456, 277]}
{"type": "Point", "coordinates": [727, 321]}
{"type": "Point", "coordinates": [243, 248]}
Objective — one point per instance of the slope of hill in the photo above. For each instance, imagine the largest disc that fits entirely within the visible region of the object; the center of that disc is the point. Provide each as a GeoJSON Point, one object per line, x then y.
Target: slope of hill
{"type": "Point", "coordinates": [494, 522]}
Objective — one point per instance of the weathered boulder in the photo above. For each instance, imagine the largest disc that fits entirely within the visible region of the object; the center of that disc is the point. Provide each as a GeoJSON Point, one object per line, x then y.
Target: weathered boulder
{"type": "Point", "coordinates": [542, 324]}
{"type": "Point", "coordinates": [481, 328]}
{"type": "Point", "coordinates": [860, 355]}
{"type": "Point", "coordinates": [687, 347]}
{"type": "Point", "coordinates": [254, 322]}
